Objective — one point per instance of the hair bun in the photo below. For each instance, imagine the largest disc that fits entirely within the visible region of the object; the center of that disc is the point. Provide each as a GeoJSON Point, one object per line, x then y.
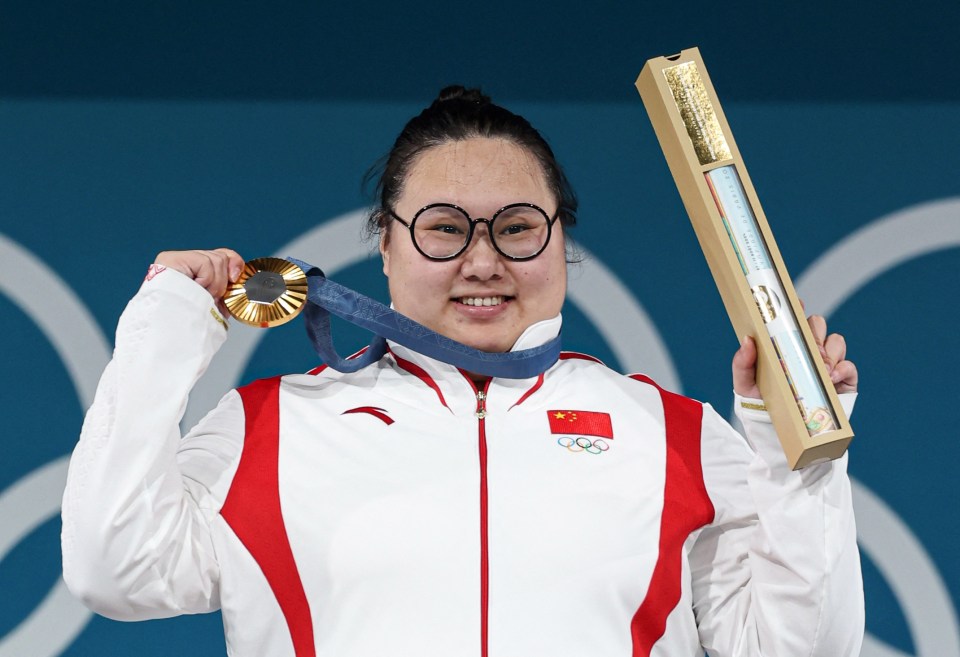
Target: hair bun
{"type": "Point", "coordinates": [458, 92]}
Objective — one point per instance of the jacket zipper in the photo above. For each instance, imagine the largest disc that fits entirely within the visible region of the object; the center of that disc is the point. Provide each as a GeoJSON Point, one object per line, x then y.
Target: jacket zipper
{"type": "Point", "coordinates": [481, 414]}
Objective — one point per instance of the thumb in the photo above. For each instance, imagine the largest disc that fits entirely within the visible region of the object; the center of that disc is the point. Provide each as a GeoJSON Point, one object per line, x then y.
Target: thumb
{"type": "Point", "coordinates": [745, 369]}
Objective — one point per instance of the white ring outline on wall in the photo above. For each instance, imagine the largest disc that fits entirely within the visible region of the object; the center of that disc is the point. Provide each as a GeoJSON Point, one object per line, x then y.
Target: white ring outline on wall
{"type": "Point", "coordinates": [46, 299]}
{"type": "Point", "coordinates": [35, 498]}
{"type": "Point", "coordinates": [59, 618]}
{"type": "Point", "coordinates": [923, 597]}
{"type": "Point", "coordinates": [833, 278]}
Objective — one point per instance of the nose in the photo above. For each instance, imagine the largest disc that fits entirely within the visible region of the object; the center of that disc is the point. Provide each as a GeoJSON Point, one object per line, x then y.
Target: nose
{"type": "Point", "coordinates": [481, 260]}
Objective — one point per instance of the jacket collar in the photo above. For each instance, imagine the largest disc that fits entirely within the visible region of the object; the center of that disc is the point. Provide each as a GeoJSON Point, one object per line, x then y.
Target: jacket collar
{"type": "Point", "coordinates": [455, 390]}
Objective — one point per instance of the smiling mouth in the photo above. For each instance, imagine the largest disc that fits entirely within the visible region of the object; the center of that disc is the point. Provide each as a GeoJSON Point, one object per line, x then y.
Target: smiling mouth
{"type": "Point", "coordinates": [482, 301]}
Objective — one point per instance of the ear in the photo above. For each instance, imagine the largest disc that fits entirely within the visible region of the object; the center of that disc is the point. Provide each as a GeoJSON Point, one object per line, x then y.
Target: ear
{"type": "Point", "coordinates": [385, 250]}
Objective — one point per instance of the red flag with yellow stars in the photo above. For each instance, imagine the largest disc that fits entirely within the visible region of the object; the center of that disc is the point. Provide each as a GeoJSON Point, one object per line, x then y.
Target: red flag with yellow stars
{"type": "Point", "coordinates": [584, 423]}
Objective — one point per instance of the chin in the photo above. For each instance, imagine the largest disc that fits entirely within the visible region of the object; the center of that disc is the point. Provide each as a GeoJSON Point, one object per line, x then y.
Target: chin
{"type": "Point", "coordinates": [489, 347]}
{"type": "Point", "coordinates": [493, 349]}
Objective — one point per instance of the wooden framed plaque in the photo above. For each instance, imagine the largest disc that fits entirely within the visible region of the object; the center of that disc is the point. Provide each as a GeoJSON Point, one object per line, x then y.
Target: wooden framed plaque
{"type": "Point", "coordinates": [743, 257]}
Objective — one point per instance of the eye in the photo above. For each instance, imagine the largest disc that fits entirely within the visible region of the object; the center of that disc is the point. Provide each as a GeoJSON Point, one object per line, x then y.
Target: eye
{"type": "Point", "coordinates": [514, 229]}
{"type": "Point", "coordinates": [443, 222]}
{"type": "Point", "coordinates": [447, 229]}
{"type": "Point", "coordinates": [517, 222]}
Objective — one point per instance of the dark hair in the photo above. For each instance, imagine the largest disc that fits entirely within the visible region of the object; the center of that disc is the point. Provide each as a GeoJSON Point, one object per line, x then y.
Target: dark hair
{"type": "Point", "coordinates": [456, 115]}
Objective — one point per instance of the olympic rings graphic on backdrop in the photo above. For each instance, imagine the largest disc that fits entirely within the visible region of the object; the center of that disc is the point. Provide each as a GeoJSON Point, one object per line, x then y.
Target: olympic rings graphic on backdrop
{"type": "Point", "coordinates": [616, 314]}
{"type": "Point", "coordinates": [583, 444]}
{"type": "Point", "coordinates": [67, 324]}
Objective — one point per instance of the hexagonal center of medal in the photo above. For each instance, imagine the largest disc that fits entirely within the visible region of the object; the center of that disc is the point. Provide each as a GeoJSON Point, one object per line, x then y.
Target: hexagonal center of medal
{"type": "Point", "coordinates": [264, 287]}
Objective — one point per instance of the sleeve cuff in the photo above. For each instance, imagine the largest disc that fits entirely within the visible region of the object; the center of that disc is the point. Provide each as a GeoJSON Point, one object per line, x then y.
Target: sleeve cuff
{"type": "Point", "coordinates": [166, 280]}
{"type": "Point", "coordinates": [750, 408]}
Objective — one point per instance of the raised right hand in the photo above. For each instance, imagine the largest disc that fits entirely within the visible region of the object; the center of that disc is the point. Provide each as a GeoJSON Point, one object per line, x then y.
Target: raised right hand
{"type": "Point", "coordinates": [211, 269]}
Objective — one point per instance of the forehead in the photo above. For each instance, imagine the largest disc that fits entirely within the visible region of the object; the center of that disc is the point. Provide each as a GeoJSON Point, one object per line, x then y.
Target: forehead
{"type": "Point", "coordinates": [476, 171]}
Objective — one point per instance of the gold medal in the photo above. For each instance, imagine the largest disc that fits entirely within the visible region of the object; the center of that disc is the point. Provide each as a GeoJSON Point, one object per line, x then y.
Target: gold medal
{"type": "Point", "coordinates": [269, 292]}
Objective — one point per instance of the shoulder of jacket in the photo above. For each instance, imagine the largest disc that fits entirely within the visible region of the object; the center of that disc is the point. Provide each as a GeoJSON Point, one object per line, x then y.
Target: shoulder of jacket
{"type": "Point", "coordinates": [649, 381]}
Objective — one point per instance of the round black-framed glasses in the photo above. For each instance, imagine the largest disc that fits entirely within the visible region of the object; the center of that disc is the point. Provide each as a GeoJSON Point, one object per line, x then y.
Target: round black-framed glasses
{"type": "Point", "coordinates": [442, 231]}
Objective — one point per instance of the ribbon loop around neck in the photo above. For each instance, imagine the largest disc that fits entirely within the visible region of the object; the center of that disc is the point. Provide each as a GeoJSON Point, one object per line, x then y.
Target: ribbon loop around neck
{"type": "Point", "coordinates": [325, 297]}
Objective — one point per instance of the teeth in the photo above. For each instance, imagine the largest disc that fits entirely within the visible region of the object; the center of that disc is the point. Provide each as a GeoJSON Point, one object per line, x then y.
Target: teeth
{"type": "Point", "coordinates": [481, 301]}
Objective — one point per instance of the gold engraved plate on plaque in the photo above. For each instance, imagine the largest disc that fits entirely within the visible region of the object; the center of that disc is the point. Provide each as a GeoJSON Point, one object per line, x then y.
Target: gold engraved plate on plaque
{"type": "Point", "coordinates": [269, 292]}
{"type": "Point", "coordinates": [697, 113]}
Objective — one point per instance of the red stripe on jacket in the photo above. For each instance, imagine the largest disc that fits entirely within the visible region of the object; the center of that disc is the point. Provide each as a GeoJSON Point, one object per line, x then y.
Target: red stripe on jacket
{"type": "Point", "coordinates": [686, 508]}
{"type": "Point", "coordinates": [421, 374]}
{"type": "Point", "coordinates": [252, 509]}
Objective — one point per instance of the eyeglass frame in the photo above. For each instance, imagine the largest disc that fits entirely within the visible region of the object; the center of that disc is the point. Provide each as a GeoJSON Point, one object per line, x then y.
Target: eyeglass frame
{"type": "Point", "coordinates": [473, 224]}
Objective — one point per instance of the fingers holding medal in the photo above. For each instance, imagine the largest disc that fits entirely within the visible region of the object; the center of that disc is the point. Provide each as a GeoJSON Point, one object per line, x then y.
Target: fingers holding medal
{"type": "Point", "coordinates": [263, 292]}
{"type": "Point", "coordinates": [211, 269]}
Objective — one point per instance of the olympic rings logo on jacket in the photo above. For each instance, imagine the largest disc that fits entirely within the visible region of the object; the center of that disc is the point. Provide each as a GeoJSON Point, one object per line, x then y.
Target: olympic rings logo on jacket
{"type": "Point", "coordinates": [583, 444]}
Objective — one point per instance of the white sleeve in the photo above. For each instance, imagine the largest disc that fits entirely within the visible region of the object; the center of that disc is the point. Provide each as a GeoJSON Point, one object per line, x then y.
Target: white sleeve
{"type": "Point", "coordinates": [136, 536]}
{"type": "Point", "coordinates": [778, 571]}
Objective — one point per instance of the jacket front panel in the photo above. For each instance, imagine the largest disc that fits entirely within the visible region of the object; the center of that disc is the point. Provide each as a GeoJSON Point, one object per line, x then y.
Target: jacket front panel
{"type": "Point", "coordinates": [381, 501]}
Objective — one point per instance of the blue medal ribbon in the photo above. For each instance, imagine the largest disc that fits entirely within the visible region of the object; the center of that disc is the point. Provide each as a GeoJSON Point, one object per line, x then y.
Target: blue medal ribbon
{"type": "Point", "coordinates": [325, 297]}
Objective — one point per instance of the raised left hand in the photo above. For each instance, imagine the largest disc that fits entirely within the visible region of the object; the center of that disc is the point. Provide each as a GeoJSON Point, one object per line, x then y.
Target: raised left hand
{"type": "Point", "coordinates": [833, 350]}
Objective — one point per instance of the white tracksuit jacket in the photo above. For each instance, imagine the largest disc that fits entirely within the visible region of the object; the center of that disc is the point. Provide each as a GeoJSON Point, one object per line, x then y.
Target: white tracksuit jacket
{"type": "Point", "coordinates": [396, 511]}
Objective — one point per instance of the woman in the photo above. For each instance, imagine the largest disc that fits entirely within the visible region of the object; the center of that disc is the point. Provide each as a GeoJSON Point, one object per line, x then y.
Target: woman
{"type": "Point", "coordinates": [411, 508]}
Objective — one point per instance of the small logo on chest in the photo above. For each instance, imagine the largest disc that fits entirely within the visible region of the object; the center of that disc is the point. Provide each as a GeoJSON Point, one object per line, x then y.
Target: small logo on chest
{"type": "Point", "coordinates": [379, 413]}
{"type": "Point", "coordinates": [576, 426]}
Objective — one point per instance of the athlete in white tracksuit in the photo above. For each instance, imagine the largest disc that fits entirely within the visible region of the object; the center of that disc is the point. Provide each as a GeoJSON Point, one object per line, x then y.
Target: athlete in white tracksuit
{"type": "Point", "coordinates": [400, 511]}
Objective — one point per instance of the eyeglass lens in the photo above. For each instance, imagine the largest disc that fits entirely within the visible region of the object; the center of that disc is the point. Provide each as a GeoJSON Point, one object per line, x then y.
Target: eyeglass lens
{"type": "Point", "coordinates": [518, 232]}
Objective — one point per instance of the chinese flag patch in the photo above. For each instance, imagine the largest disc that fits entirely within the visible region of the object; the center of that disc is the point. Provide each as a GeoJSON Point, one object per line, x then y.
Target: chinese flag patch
{"type": "Point", "coordinates": [584, 423]}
